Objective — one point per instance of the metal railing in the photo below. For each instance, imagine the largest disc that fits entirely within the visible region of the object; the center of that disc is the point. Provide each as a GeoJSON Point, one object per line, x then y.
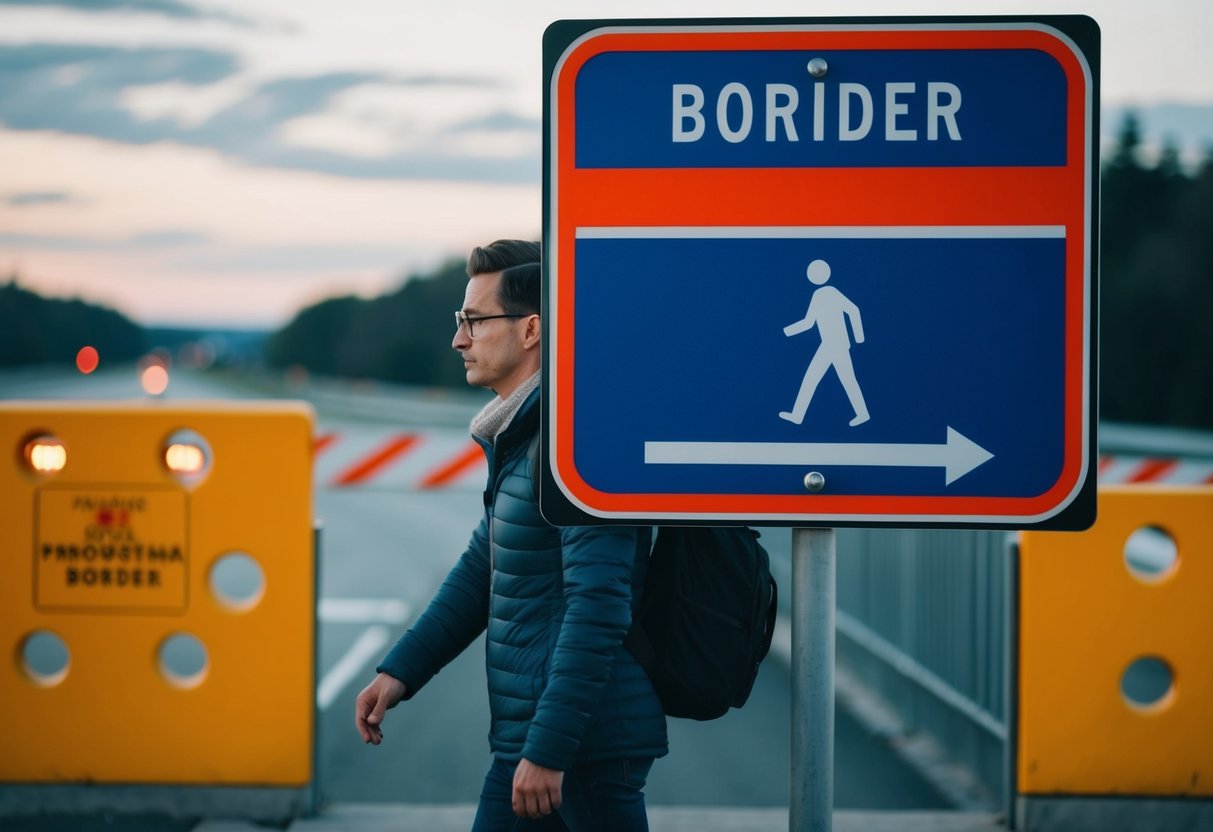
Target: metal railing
{"type": "Point", "coordinates": [922, 621]}
{"type": "Point", "coordinates": [925, 616]}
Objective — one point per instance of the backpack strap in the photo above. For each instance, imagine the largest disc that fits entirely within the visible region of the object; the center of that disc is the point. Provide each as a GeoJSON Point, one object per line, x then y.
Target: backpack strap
{"type": "Point", "coordinates": [638, 644]}
{"type": "Point", "coordinates": [637, 640]}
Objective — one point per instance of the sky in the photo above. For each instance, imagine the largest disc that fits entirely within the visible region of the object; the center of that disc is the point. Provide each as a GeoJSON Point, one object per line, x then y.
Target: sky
{"type": "Point", "coordinates": [225, 163]}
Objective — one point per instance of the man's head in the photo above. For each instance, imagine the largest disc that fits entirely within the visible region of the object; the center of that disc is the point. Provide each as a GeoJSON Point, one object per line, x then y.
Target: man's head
{"type": "Point", "coordinates": [498, 333]}
{"type": "Point", "coordinates": [502, 254]}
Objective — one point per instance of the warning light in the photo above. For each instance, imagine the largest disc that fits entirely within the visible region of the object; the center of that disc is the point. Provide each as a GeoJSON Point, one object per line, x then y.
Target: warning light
{"type": "Point", "coordinates": [153, 371]}
{"type": "Point", "coordinates": [154, 380]}
{"type": "Point", "coordinates": [45, 455]}
{"type": "Point", "coordinates": [184, 459]}
{"type": "Point", "coordinates": [87, 359]}
{"type": "Point", "coordinates": [187, 456]}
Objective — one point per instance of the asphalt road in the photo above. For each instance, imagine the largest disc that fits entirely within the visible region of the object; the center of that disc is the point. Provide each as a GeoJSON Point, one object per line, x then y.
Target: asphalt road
{"type": "Point", "coordinates": [384, 553]}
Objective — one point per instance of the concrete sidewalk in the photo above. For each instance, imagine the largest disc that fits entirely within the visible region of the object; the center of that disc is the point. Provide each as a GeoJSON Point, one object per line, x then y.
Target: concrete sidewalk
{"type": "Point", "coordinates": [387, 817]}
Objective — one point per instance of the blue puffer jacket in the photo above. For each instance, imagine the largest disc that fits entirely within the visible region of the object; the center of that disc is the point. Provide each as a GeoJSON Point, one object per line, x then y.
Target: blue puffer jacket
{"type": "Point", "coordinates": [557, 603]}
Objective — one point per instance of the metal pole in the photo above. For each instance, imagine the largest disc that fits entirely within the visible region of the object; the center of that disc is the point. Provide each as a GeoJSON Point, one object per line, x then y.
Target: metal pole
{"type": "Point", "coordinates": [813, 581]}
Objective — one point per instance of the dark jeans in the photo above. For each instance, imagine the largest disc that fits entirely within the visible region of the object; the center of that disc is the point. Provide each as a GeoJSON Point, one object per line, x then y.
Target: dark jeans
{"type": "Point", "coordinates": [605, 796]}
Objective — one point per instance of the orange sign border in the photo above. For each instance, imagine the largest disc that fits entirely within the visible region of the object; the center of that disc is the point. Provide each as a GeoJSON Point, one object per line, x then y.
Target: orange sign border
{"type": "Point", "coordinates": [913, 196]}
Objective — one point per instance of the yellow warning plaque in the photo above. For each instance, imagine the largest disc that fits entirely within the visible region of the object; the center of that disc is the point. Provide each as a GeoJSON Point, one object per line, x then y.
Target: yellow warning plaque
{"type": "Point", "coordinates": [111, 550]}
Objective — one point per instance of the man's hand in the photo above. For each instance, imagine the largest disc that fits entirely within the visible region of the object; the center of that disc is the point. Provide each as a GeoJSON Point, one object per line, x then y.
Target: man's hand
{"type": "Point", "coordinates": [375, 699]}
{"type": "Point", "coordinates": [536, 790]}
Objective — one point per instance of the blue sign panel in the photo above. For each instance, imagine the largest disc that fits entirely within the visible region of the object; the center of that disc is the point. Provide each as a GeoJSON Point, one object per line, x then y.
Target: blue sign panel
{"type": "Point", "coordinates": [881, 108]}
{"type": "Point", "coordinates": [911, 341]}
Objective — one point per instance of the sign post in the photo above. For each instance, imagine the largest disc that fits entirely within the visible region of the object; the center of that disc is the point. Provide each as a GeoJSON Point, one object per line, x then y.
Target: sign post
{"type": "Point", "coordinates": [821, 273]}
{"type": "Point", "coordinates": [814, 567]}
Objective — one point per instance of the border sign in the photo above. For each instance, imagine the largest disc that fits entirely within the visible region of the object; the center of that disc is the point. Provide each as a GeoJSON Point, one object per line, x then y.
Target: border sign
{"type": "Point", "coordinates": [861, 248]}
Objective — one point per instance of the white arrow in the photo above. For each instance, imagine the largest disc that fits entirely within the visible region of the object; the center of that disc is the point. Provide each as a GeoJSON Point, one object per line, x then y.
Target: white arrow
{"type": "Point", "coordinates": [957, 456]}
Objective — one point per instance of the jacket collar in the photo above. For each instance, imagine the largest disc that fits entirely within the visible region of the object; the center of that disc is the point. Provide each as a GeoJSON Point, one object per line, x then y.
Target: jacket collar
{"type": "Point", "coordinates": [521, 428]}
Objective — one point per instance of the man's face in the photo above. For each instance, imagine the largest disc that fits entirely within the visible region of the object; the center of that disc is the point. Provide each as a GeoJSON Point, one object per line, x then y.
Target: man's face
{"type": "Point", "coordinates": [494, 358]}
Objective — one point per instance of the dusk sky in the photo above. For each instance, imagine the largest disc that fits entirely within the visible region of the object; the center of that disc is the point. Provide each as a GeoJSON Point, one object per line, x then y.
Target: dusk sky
{"type": "Point", "coordinates": [227, 162]}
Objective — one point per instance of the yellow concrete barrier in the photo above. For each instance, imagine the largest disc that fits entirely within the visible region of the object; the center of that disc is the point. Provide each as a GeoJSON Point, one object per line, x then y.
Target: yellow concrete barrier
{"type": "Point", "coordinates": [157, 594]}
{"type": "Point", "coordinates": [1116, 650]}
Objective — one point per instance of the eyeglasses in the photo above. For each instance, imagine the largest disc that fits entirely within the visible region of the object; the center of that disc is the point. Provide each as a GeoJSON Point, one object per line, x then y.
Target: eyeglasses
{"type": "Point", "coordinates": [462, 318]}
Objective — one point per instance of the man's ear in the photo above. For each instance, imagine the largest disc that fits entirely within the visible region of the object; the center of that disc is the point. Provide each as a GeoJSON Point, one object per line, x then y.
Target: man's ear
{"type": "Point", "coordinates": [532, 332]}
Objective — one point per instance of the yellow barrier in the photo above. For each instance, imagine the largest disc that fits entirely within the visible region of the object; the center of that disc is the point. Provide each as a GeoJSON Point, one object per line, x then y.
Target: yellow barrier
{"type": "Point", "coordinates": [1116, 668]}
{"type": "Point", "coordinates": [157, 594]}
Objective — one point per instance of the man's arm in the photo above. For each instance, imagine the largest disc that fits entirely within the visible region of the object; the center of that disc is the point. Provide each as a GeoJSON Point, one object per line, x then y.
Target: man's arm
{"type": "Point", "coordinates": [598, 564]}
{"type": "Point", "coordinates": [454, 618]}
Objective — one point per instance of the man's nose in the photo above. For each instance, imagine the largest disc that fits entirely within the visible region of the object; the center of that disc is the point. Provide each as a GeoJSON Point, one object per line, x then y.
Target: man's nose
{"type": "Point", "coordinates": [461, 341]}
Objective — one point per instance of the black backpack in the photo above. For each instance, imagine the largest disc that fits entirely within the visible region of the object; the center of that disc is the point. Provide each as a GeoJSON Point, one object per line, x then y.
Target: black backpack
{"type": "Point", "coordinates": [706, 618]}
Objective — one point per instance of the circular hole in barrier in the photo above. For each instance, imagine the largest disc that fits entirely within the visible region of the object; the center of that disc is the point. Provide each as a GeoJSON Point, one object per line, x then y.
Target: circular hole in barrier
{"type": "Point", "coordinates": [187, 456]}
{"type": "Point", "coordinates": [1147, 683]}
{"type": "Point", "coordinates": [45, 658]}
{"type": "Point", "coordinates": [1151, 554]}
{"type": "Point", "coordinates": [183, 660]}
{"type": "Point", "coordinates": [237, 581]}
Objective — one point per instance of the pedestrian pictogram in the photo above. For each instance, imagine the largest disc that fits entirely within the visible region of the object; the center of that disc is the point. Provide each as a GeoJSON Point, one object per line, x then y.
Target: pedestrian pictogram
{"type": "Point", "coordinates": [829, 311]}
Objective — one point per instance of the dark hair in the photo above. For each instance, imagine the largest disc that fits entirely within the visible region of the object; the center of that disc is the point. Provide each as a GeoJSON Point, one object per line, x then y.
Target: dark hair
{"type": "Point", "coordinates": [519, 290]}
{"type": "Point", "coordinates": [500, 255]}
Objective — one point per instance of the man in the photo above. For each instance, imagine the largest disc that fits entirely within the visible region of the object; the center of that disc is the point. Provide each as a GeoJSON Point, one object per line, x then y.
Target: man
{"type": "Point", "coordinates": [575, 722]}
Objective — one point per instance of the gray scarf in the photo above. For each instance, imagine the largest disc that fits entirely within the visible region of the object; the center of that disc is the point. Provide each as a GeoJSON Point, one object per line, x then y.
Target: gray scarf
{"type": "Point", "coordinates": [497, 414]}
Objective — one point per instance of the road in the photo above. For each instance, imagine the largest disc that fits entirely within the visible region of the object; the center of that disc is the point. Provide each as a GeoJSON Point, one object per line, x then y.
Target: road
{"type": "Point", "coordinates": [384, 552]}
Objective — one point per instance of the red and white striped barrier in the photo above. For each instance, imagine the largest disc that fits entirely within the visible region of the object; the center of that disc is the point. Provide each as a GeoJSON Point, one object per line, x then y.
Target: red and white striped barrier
{"type": "Point", "coordinates": [1126, 469]}
{"type": "Point", "coordinates": [409, 459]}
{"type": "Point", "coordinates": [449, 458]}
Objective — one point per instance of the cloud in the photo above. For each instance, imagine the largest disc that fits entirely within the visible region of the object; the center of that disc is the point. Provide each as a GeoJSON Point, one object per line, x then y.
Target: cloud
{"type": "Point", "coordinates": [28, 198]}
{"type": "Point", "coordinates": [298, 259]}
{"type": "Point", "coordinates": [147, 241]}
{"type": "Point", "coordinates": [174, 9]}
{"type": "Point", "coordinates": [95, 91]}
{"type": "Point", "coordinates": [499, 121]}
{"type": "Point", "coordinates": [76, 89]}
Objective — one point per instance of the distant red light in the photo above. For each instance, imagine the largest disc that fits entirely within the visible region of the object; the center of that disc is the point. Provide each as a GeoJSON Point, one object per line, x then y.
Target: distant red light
{"type": "Point", "coordinates": [87, 360]}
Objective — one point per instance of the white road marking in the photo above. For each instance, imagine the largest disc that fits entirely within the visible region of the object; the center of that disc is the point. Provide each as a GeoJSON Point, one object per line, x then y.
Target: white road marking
{"type": "Point", "coordinates": [368, 647]}
{"type": "Point", "coordinates": [363, 610]}
{"type": "Point", "coordinates": [379, 612]}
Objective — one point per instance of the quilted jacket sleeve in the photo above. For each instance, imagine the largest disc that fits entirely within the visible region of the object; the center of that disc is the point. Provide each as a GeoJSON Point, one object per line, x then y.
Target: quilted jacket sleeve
{"type": "Point", "coordinates": [597, 567]}
{"type": "Point", "coordinates": [455, 617]}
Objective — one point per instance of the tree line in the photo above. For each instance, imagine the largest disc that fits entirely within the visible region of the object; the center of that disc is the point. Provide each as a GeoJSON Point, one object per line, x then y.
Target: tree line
{"type": "Point", "coordinates": [402, 337]}
{"type": "Point", "coordinates": [1156, 276]}
{"type": "Point", "coordinates": [38, 330]}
